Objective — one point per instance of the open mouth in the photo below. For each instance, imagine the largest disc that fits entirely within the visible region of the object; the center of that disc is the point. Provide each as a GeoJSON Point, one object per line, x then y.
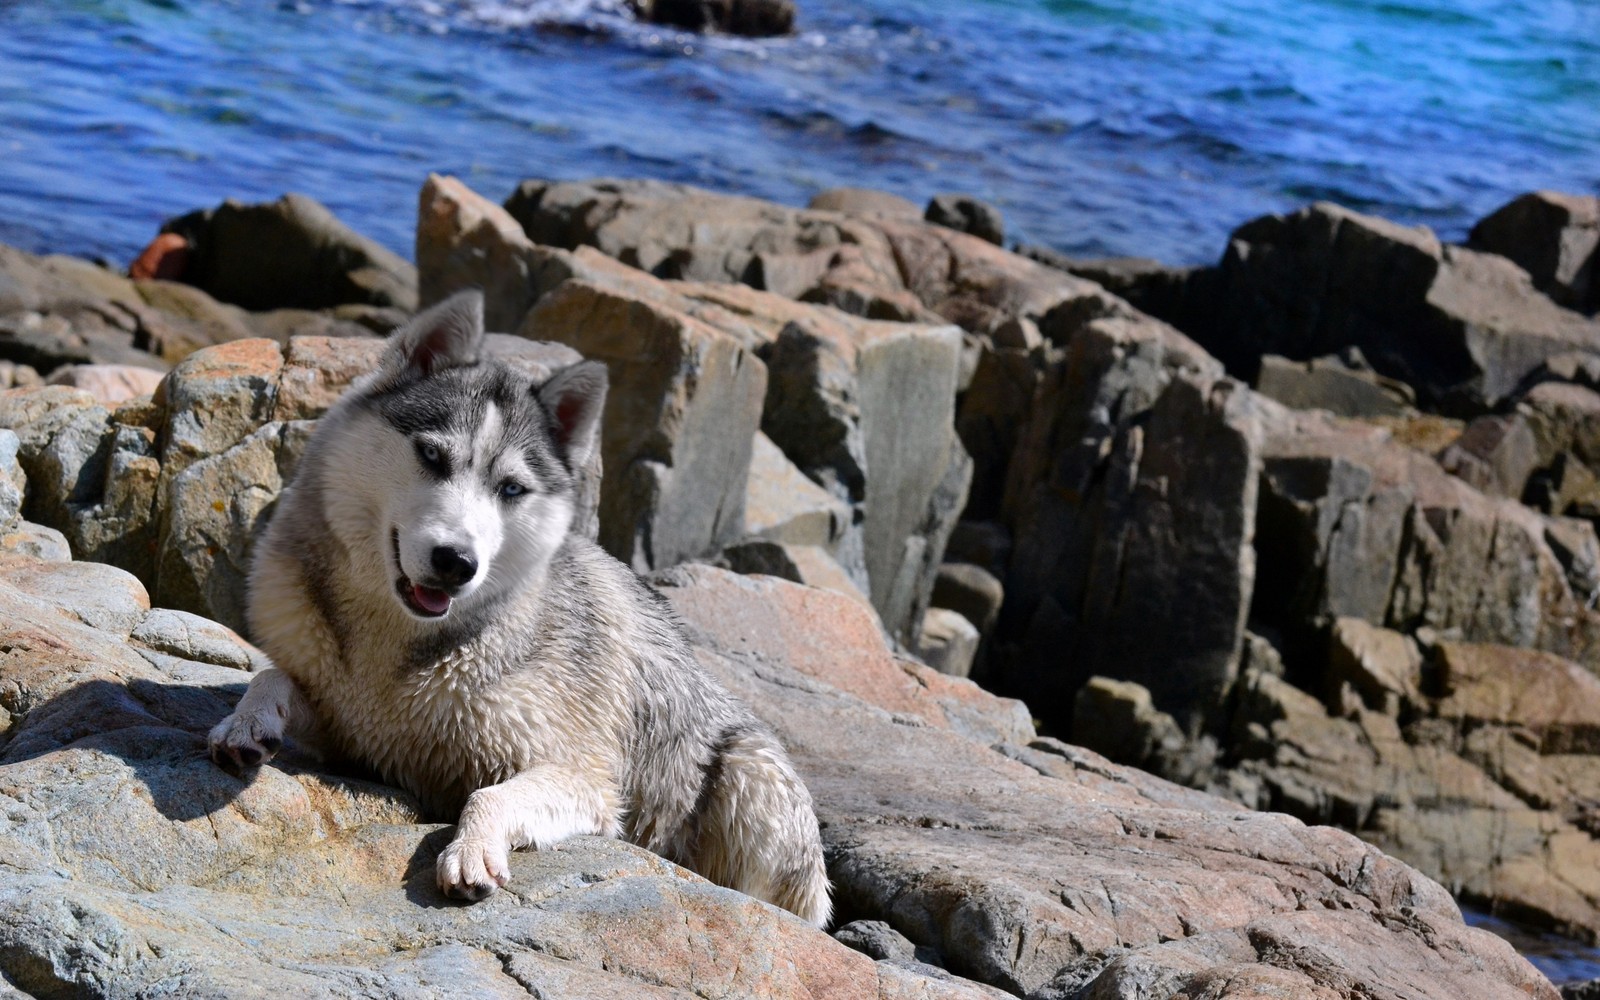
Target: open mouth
{"type": "Point", "coordinates": [425, 602]}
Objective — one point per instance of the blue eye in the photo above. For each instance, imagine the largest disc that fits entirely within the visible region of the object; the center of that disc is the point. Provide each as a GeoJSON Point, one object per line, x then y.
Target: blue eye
{"type": "Point", "coordinates": [430, 455]}
{"type": "Point", "coordinates": [510, 489]}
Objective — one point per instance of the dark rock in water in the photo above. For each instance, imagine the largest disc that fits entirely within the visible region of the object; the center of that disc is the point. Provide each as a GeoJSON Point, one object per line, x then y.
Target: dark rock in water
{"type": "Point", "coordinates": [864, 201]}
{"type": "Point", "coordinates": [291, 253]}
{"type": "Point", "coordinates": [1463, 328]}
{"type": "Point", "coordinates": [968, 215]}
{"type": "Point", "coordinates": [1555, 238]}
{"type": "Point", "coordinates": [1331, 384]}
{"type": "Point", "coordinates": [757, 18]}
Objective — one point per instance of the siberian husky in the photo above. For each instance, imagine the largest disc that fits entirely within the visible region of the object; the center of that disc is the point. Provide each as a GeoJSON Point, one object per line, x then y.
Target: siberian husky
{"type": "Point", "coordinates": [431, 614]}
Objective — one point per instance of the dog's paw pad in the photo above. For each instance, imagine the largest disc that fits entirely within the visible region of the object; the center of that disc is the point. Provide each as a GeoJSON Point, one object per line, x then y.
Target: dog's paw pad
{"type": "Point", "coordinates": [472, 869]}
{"type": "Point", "coordinates": [241, 742]}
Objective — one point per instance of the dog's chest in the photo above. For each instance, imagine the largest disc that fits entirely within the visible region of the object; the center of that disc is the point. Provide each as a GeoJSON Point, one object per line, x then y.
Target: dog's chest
{"type": "Point", "coordinates": [446, 729]}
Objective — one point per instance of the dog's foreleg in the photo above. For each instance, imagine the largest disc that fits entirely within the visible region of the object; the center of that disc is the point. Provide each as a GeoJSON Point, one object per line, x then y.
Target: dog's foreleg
{"type": "Point", "coordinates": [540, 807]}
{"type": "Point", "coordinates": [253, 734]}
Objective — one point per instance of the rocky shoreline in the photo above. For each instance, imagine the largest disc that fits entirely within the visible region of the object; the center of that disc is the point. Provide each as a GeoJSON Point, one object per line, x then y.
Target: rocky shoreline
{"type": "Point", "coordinates": [1309, 531]}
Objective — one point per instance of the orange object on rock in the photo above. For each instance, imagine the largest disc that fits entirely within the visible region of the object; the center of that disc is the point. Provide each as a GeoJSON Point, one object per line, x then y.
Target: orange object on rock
{"type": "Point", "coordinates": [165, 258]}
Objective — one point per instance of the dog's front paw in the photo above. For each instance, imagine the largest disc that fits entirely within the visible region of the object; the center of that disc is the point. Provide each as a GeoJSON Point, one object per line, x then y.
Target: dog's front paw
{"type": "Point", "coordinates": [245, 739]}
{"type": "Point", "coordinates": [472, 868]}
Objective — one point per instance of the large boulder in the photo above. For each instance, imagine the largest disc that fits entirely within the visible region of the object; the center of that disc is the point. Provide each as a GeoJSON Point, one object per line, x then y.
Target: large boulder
{"type": "Point", "coordinates": [1555, 238]}
{"type": "Point", "coordinates": [1463, 328]}
{"type": "Point", "coordinates": [881, 267]}
{"type": "Point", "coordinates": [289, 253]}
{"type": "Point", "coordinates": [1131, 493]}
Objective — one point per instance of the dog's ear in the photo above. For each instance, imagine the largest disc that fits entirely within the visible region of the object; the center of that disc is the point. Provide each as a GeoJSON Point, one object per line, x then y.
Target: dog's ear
{"type": "Point", "coordinates": [574, 398]}
{"type": "Point", "coordinates": [444, 336]}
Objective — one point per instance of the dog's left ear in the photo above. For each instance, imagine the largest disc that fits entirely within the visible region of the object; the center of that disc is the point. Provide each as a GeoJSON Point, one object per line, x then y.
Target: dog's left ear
{"type": "Point", "coordinates": [574, 398]}
{"type": "Point", "coordinates": [447, 335]}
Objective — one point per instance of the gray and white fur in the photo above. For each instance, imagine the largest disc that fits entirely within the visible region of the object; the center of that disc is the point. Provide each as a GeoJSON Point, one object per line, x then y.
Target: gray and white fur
{"type": "Point", "coordinates": [430, 613]}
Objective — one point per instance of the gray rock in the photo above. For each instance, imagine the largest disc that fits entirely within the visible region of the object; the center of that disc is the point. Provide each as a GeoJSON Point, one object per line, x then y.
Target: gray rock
{"type": "Point", "coordinates": [807, 564]}
{"type": "Point", "coordinates": [1329, 384]}
{"type": "Point", "coordinates": [13, 375]}
{"type": "Point", "coordinates": [1496, 454]}
{"type": "Point", "coordinates": [782, 505]}
{"type": "Point", "coordinates": [682, 412]}
{"type": "Point", "coordinates": [190, 637]}
{"type": "Point", "coordinates": [466, 241]}
{"type": "Point", "coordinates": [1381, 667]}
{"type": "Point", "coordinates": [1555, 238]}
{"type": "Point", "coordinates": [35, 541]}
{"type": "Point", "coordinates": [1120, 523]}
{"type": "Point", "coordinates": [1118, 719]}
{"type": "Point", "coordinates": [986, 544]}
{"type": "Point", "coordinates": [948, 642]}
{"type": "Point", "coordinates": [1462, 328]}
{"type": "Point", "coordinates": [291, 253]}
{"type": "Point", "coordinates": [877, 940]}
{"type": "Point", "coordinates": [971, 591]}
{"type": "Point", "coordinates": [214, 512]}
{"type": "Point", "coordinates": [864, 201]}
{"type": "Point", "coordinates": [990, 421]}
{"type": "Point", "coordinates": [1586, 989]}
{"type": "Point", "coordinates": [1186, 297]}
{"type": "Point", "coordinates": [967, 214]}
{"type": "Point", "coordinates": [13, 481]}
{"type": "Point", "coordinates": [878, 267]}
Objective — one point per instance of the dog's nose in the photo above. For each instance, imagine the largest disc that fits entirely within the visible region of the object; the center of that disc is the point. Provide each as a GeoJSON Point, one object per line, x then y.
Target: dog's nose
{"type": "Point", "coordinates": [453, 566]}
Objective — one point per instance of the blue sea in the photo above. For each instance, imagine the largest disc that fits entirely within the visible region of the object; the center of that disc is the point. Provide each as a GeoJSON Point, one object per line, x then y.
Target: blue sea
{"type": "Point", "coordinates": [1099, 127]}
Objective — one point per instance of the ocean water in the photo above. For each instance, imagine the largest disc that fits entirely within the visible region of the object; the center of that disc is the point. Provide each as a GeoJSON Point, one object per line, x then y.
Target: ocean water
{"type": "Point", "coordinates": [1139, 127]}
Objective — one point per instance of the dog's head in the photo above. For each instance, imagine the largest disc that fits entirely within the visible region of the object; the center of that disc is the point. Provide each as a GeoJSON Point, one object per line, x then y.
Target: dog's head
{"type": "Point", "coordinates": [460, 472]}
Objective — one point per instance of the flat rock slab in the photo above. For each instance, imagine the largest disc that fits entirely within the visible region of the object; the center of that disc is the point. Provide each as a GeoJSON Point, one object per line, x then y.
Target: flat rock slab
{"type": "Point", "coordinates": [133, 865]}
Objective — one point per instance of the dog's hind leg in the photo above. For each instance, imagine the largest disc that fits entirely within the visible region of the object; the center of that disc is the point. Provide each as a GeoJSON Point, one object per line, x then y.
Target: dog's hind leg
{"type": "Point", "coordinates": [539, 807]}
{"type": "Point", "coordinates": [253, 734]}
{"type": "Point", "coordinates": [756, 829]}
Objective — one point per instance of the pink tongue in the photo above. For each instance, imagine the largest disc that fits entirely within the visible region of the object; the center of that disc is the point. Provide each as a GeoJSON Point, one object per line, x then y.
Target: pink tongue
{"type": "Point", "coordinates": [433, 601]}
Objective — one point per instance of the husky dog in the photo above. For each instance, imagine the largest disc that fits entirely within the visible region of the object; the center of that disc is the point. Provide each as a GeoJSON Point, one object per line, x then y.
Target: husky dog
{"type": "Point", "coordinates": [431, 614]}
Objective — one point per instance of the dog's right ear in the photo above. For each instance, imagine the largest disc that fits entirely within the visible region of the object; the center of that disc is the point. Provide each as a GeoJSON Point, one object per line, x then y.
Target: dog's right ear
{"type": "Point", "coordinates": [445, 336]}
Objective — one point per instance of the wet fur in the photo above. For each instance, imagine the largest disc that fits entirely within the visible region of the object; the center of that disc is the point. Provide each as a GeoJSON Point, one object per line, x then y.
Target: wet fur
{"type": "Point", "coordinates": [558, 697]}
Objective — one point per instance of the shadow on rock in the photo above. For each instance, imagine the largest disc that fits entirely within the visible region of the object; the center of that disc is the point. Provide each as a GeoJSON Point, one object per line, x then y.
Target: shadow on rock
{"type": "Point", "coordinates": [159, 731]}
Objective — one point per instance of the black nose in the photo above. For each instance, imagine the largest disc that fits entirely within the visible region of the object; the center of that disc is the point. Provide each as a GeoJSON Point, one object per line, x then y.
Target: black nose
{"type": "Point", "coordinates": [452, 566]}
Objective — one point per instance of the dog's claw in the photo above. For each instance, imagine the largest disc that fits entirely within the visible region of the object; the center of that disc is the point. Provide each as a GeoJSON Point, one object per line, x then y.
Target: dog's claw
{"type": "Point", "coordinates": [472, 869]}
